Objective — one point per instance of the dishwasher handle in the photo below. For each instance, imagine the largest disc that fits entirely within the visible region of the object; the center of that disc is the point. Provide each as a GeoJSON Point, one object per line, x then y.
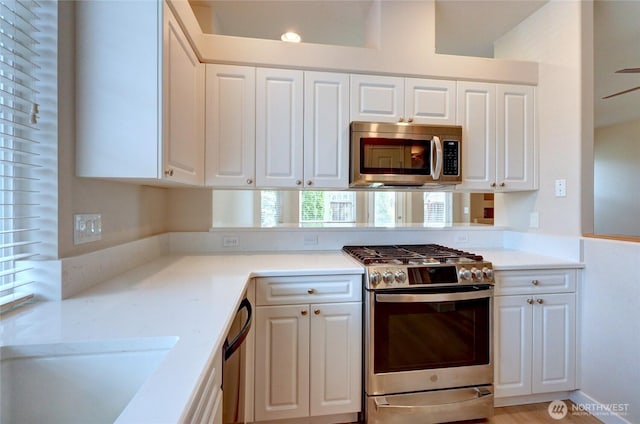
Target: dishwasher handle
{"type": "Point", "coordinates": [230, 347]}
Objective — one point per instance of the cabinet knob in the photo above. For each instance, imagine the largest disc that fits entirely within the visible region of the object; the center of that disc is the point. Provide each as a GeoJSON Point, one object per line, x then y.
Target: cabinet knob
{"type": "Point", "coordinates": [535, 282]}
{"type": "Point", "coordinates": [316, 311]}
{"type": "Point", "coordinates": [309, 182]}
{"type": "Point", "coordinates": [502, 184]}
{"type": "Point", "coordinates": [298, 182]}
{"type": "Point", "coordinates": [304, 312]}
{"type": "Point", "coordinates": [249, 181]}
{"type": "Point", "coordinates": [540, 301]}
{"type": "Point", "coordinates": [410, 120]}
{"type": "Point", "coordinates": [530, 301]}
{"type": "Point", "coordinates": [169, 172]}
{"type": "Point", "coordinates": [311, 291]}
{"type": "Point", "coordinates": [493, 185]}
{"type": "Point", "coordinates": [401, 120]}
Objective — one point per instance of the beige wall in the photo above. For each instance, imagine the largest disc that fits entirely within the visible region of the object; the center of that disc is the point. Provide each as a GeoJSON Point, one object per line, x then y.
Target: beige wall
{"type": "Point", "coordinates": [617, 174]}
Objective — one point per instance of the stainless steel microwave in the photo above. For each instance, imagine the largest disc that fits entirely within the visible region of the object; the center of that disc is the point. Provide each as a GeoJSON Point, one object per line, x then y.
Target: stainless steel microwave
{"type": "Point", "coordinates": [407, 155]}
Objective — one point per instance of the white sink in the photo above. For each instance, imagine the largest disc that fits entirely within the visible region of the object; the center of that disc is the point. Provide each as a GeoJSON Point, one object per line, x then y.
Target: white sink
{"type": "Point", "coordinates": [82, 382]}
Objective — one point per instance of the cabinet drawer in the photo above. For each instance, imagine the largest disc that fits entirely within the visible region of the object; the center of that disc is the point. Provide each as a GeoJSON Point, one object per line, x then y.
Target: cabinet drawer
{"type": "Point", "coordinates": [308, 289]}
{"type": "Point", "coordinates": [535, 281]}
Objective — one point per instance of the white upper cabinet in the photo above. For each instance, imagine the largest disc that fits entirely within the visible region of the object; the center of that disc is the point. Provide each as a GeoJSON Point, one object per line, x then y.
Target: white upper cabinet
{"type": "Point", "coordinates": [183, 107]}
{"type": "Point", "coordinates": [429, 101]}
{"type": "Point", "coordinates": [515, 137]}
{"type": "Point", "coordinates": [477, 116]}
{"type": "Point", "coordinates": [498, 136]}
{"type": "Point", "coordinates": [279, 127]}
{"type": "Point", "coordinates": [326, 130]}
{"type": "Point", "coordinates": [230, 126]}
{"type": "Point", "coordinates": [395, 99]}
{"type": "Point", "coordinates": [142, 120]}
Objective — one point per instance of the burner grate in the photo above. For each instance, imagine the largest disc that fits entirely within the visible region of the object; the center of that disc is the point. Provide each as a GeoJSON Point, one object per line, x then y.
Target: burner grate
{"type": "Point", "coordinates": [408, 254]}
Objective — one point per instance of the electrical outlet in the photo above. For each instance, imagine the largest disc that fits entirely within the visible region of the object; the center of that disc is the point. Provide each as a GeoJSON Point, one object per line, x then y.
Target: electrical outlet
{"type": "Point", "coordinates": [87, 228]}
{"type": "Point", "coordinates": [561, 188]}
{"type": "Point", "coordinates": [230, 241]}
{"type": "Point", "coordinates": [310, 240]}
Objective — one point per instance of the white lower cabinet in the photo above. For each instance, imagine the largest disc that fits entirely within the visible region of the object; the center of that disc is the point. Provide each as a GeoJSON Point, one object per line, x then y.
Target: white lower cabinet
{"type": "Point", "coordinates": [535, 329]}
{"type": "Point", "coordinates": [307, 354]}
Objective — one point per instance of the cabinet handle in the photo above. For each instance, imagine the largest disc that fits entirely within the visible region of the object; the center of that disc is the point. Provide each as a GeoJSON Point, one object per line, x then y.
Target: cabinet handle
{"type": "Point", "coordinates": [540, 301]}
{"type": "Point", "coordinates": [249, 181]}
{"type": "Point", "coordinates": [298, 182]}
{"type": "Point", "coordinates": [311, 291]}
{"type": "Point", "coordinates": [304, 312]}
{"type": "Point", "coordinates": [535, 282]}
{"type": "Point", "coordinates": [530, 301]}
{"type": "Point", "coordinates": [316, 311]}
{"type": "Point", "coordinates": [169, 172]}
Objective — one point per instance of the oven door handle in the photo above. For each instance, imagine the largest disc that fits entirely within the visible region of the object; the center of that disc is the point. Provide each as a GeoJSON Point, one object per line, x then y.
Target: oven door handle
{"type": "Point", "coordinates": [435, 297]}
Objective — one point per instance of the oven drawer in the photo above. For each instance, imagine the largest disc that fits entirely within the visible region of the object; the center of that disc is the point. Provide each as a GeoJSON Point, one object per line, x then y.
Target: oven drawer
{"type": "Point", "coordinates": [535, 281]}
{"type": "Point", "coordinates": [432, 407]}
{"type": "Point", "coordinates": [308, 289]}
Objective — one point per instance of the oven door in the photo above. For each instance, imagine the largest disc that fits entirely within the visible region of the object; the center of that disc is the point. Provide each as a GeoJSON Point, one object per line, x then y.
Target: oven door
{"type": "Point", "coordinates": [432, 339]}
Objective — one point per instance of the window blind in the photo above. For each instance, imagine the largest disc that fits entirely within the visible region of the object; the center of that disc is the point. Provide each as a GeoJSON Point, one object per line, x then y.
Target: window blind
{"type": "Point", "coordinates": [19, 156]}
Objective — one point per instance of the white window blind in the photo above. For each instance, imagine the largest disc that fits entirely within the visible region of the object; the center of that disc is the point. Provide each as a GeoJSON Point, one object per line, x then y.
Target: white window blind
{"type": "Point", "coordinates": [19, 156]}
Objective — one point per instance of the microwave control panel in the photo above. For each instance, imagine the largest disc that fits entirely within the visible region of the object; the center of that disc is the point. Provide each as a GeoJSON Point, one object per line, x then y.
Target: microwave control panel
{"type": "Point", "coordinates": [451, 157]}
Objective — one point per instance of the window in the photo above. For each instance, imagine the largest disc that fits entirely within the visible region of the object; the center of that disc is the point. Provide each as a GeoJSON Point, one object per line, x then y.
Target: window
{"type": "Point", "coordinates": [437, 208]}
{"type": "Point", "coordinates": [327, 207]}
{"type": "Point", "coordinates": [18, 146]}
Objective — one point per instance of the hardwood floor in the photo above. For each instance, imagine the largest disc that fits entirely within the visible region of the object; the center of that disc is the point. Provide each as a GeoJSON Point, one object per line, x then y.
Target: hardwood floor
{"type": "Point", "coordinates": [534, 413]}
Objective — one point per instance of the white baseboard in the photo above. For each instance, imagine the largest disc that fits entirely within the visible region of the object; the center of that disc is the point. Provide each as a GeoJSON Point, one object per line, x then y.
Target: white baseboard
{"type": "Point", "coordinates": [600, 411]}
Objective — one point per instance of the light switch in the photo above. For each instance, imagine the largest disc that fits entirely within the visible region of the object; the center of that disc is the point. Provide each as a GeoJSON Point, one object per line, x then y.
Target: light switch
{"type": "Point", "coordinates": [87, 227]}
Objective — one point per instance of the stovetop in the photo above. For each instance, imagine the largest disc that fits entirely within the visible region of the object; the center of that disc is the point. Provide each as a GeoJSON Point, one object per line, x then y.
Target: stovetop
{"type": "Point", "coordinates": [418, 266]}
{"type": "Point", "coordinates": [415, 254]}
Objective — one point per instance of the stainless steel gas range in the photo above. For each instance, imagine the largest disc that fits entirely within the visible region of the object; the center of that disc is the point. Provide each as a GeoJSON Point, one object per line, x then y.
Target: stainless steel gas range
{"type": "Point", "coordinates": [428, 335]}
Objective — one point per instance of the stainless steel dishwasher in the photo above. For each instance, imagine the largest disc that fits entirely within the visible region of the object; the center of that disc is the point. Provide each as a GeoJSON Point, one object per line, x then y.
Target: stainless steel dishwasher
{"type": "Point", "coordinates": [233, 368]}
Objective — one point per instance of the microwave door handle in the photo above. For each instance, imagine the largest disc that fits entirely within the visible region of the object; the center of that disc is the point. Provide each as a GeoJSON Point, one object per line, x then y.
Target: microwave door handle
{"type": "Point", "coordinates": [436, 147]}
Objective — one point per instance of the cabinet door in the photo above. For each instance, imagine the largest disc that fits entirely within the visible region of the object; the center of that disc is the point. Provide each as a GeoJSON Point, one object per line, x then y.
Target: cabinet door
{"type": "Point", "coordinates": [428, 101]}
{"type": "Point", "coordinates": [279, 120]}
{"type": "Point", "coordinates": [476, 107]}
{"type": "Point", "coordinates": [554, 340]}
{"type": "Point", "coordinates": [512, 346]}
{"type": "Point", "coordinates": [326, 130]}
{"type": "Point", "coordinates": [377, 98]}
{"type": "Point", "coordinates": [230, 126]}
{"type": "Point", "coordinates": [336, 340]}
{"type": "Point", "coordinates": [516, 164]}
{"type": "Point", "coordinates": [183, 105]}
{"type": "Point", "coordinates": [282, 362]}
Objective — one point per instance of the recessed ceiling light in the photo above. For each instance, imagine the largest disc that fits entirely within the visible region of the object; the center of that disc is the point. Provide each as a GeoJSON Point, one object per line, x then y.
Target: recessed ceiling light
{"type": "Point", "coordinates": [290, 37]}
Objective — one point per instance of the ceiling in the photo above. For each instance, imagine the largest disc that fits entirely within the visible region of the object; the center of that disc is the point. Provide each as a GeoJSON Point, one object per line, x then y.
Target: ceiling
{"type": "Point", "coordinates": [459, 31]}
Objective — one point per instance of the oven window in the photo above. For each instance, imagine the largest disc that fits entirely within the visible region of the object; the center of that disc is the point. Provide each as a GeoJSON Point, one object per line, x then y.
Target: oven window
{"type": "Point", "coordinates": [418, 336]}
{"type": "Point", "coordinates": [394, 156]}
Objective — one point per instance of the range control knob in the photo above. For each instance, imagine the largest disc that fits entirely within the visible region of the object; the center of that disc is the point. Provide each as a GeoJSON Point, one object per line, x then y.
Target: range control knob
{"type": "Point", "coordinates": [464, 274]}
{"type": "Point", "coordinates": [476, 273]}
{"type": "Point", "coordinates": [401, 277]}
{"type": "Point", "coordinates": [488, 273]}
{"type": "Point", "coordinates": [374, 278]}
{"type": "Point", "coordinates": [387, 277]}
